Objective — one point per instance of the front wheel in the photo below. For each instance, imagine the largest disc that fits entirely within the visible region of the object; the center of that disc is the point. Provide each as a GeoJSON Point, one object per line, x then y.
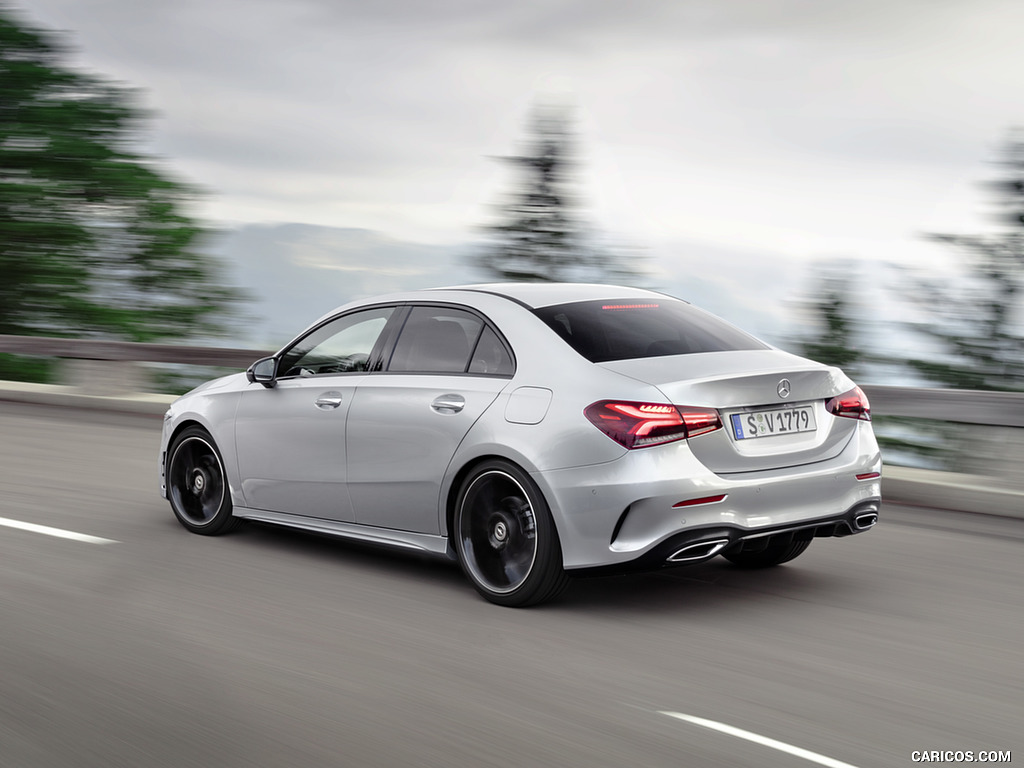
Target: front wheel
{"type": "Point", "coordinates": [196, 484]}
{"type": "Point", "coordinates": [505, 537]}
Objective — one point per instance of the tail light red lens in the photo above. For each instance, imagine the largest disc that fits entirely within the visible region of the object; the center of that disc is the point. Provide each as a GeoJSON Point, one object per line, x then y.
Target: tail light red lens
{"type": "Point", "coordinates": [851, 405]}
{"type": "Point", "coordinates": [638, 425]}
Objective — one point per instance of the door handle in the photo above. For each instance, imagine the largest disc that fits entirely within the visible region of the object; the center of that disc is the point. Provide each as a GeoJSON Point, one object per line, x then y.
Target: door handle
{"type": "Point", "coordinates": [449, 403]}
{"type": "Point", "coordinates": [328, 401]}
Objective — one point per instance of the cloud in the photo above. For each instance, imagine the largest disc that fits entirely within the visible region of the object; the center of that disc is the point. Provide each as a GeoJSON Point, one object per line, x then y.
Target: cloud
{"type": "Point", "coordinates": [796, 123]}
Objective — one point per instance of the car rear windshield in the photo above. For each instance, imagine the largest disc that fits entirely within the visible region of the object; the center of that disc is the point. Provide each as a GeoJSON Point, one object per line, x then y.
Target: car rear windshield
{"type": "Point", "coordinates": [624, 330]}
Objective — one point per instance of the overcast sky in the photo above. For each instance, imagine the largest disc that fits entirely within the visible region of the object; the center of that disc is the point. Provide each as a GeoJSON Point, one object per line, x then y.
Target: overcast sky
{"type": "Point", "coordinates": [782, 130]}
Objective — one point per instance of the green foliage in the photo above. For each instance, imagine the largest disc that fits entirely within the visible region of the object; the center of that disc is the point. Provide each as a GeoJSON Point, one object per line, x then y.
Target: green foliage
{"type": "Point", "coordinates": [925, 443]}
{"type": "Point", "coordinates": [834, 333]}
{"type": "Point", "coordinates": [834, 336]}
{"type": "Point", "coordinates": [94, 240]}
{"type": "Point", "coordinates": [977, 320]}
{"type": "Point", "coordinates": [539, 238]}
{"type": "Point", "coordinates": [177, 379]}
{"type": "Point", "coordinates": [40, 370]}
{"type": "Point", "coordinates": [836, 342]}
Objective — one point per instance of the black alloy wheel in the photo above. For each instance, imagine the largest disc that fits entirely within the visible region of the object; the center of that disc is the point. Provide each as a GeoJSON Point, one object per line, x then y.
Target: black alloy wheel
{"type": "Point", "coordinates": [505, 537]}
{"type": "Point", "coordinates": [196, 485]}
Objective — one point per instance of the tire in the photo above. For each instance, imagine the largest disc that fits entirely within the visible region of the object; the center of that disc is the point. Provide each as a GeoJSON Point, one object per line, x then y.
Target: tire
{"type": "Point", "coordinates": [196, 484]}
{"type": "Point", "coordinates": [773, 554]}
{"type": "Point", "coordinates": [505, 537]}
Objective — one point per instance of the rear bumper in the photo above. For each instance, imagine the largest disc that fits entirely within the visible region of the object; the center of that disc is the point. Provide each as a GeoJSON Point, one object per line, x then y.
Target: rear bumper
{"type": "Point", "coordinates": [635, 509]}
{"type": "Point", "coordinates": [698, 545]}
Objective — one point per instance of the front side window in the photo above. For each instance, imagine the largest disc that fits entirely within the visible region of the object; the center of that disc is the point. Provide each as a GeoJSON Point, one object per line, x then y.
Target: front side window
{"type": "Point", "coordinates": [343, 345]}
{"type": "Point", "coordinates": [602, 331]}
{"type": "Point", "coordinates": [436, 340]}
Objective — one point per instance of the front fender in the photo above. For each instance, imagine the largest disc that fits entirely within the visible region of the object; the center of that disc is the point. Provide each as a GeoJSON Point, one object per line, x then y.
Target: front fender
{"type": "Point", "coordinates": [212, 409]}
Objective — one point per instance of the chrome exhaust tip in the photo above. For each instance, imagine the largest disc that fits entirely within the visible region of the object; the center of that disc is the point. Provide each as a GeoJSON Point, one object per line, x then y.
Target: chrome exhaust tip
{"type": "Point", "coordinates": [699, 551]}
{"type": "Point", "coordinates": [865, 521]}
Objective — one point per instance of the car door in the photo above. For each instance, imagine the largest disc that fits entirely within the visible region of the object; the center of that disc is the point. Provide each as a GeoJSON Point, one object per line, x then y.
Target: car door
{"type": "Point", "coordinates": [291, 437]}
{"type": "Point", "coordinates": [404, 424]}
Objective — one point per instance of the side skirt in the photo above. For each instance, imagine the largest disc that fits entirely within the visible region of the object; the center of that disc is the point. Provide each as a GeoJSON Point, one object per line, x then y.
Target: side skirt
{"type": "Point", "coordinates": [419, 542]}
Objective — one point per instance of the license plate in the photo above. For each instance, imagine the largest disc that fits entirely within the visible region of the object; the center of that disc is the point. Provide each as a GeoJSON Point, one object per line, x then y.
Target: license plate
{"type": "Point", "coordinates": [779, 421]}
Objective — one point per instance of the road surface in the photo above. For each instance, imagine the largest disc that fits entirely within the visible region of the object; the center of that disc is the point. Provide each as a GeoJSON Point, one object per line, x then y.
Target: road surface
{"type": "Point", "coordinates": [149, 646]}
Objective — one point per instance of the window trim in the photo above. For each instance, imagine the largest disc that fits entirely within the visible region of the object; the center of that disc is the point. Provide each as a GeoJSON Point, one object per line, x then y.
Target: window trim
{"type": "Point", "coordinates": [408, 307]}
{"type": "Point", "coordinates": [372, 362]}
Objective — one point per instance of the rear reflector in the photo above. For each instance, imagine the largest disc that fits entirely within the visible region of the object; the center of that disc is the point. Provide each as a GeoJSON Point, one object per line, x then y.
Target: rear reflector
{"type": "Point", "coordinates": [851, 405]}
{"type": "Point", "coordinates": [869, 475]}
{"type": "Point", "coordinates": [638, 425]}
{"type": "Point", "coordinates": [704, 500]}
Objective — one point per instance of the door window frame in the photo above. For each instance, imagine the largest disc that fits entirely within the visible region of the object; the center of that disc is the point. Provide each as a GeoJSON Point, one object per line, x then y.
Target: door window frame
{"type": "Point", "coordinates": [399, 325]}
{"type": "Point", "coordinates": [373, 362]}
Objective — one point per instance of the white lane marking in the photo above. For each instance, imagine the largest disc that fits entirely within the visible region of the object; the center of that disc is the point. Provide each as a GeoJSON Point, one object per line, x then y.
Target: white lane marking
{"type": "Point", "coordinates": [58, 532]}
{"type": "Point", "coordinates": [789, 749]}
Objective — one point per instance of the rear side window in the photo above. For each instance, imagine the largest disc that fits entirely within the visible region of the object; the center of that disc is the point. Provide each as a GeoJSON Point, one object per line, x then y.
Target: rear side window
{"type": "Point", "coordinates": [436, 340]}
{"type": "Point", "coordinates": [602, 331]}
{"type": "Point", "coordinates": [491, 356]}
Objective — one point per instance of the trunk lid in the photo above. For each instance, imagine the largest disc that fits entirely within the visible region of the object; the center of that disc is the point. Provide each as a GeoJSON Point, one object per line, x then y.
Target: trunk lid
{"type": "Point", "coordinates": [757, 387]}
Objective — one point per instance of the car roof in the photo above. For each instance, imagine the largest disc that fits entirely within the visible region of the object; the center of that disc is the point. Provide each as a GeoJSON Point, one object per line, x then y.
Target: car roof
{"type": "Point", "coordinates": [536, 295]}
{"type": "Point", "coordinates": [529, 295]}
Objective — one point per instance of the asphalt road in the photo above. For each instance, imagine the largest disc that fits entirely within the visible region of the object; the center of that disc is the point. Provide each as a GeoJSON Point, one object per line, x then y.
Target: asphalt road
{"type": "Point", "coordinates": [271, 648]}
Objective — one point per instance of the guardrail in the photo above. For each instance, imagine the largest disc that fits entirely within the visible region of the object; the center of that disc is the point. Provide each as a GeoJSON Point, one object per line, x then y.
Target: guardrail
{"type": "Point", "coordinates": [99, 367]}
{"type": "Point", "coordinates": [988, 456]}
{"type": "Point", "coordinates": [129, 351]}
{"type": "Point", "coordinates": [104, 374]}
{"type": "Point", "coordinates": [1004, 409]}
{"type": "Point", "coordinates": [961, 406]}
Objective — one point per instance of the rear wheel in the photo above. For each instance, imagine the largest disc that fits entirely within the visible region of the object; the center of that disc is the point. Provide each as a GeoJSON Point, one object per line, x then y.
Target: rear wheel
{"type": "Point", "coordinates": [196, 484]}
{"type": "Point", "coordinates": [773, 554]}
{"type": "Point", "coordinates": [505, 537]}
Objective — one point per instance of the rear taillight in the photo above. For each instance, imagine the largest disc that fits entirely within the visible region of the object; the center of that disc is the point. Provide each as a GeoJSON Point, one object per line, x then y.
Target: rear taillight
{"type": "Point", "coordinates": [851, 405]}
{"type": "Point", "coordinates": [638, 425]}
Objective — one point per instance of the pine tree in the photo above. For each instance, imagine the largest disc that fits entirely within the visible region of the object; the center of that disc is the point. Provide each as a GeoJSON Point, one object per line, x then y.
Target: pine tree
{"type": "Point", "coordinates": [834, 339]}
{"type": "Point", "coordinates": [977, 321]}
{"type": "Point", "coordinates": [94, 238]}
{"type": "Point", "coordinates": [539, 237]}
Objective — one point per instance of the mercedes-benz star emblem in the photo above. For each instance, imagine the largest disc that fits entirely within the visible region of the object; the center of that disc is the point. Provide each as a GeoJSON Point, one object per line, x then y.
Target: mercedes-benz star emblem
{"type": "Point", "coordinates": [783, 388]}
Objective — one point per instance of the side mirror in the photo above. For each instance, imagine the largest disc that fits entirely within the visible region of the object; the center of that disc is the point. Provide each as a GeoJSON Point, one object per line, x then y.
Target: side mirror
{"type": "Point", "coordinates": [263, 371]}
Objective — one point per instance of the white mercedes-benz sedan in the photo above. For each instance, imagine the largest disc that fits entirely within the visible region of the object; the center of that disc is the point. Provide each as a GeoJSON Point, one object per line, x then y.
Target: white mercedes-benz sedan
{"type": "Point", "coordinates": [531, 432]}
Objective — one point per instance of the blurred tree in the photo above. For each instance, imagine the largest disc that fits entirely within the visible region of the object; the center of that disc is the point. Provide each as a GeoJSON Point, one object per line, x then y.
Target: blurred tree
{"type": "Point", "coordinates": [94, 238]}
{"type": "Point", "coordinates": [834, 336]}
{"type": "Point", "coordinates": [977, 320]}
{"type": "Point", "coordinates": [539, 238]}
